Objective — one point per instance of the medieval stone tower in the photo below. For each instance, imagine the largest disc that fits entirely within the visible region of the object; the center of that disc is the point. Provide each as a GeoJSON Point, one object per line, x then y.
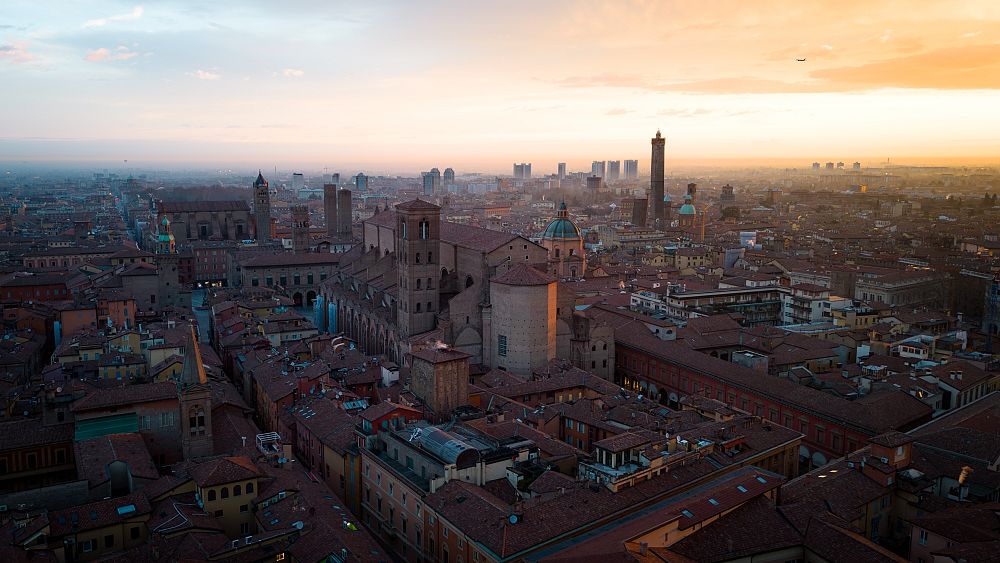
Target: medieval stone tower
{"type": "Point", "coordinates": [417, 246]}
{"type": "Point", "coordinates": [262, 208]}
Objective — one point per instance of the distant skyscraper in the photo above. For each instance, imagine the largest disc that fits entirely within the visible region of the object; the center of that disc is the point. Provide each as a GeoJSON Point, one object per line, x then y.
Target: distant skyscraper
{"type": "Point", "coordinates": [432, 182]}
{"type": "Point", "coordinates": [857, 166]}
{"type": "Point", "coordinates": [829, 166]}
{"type": "Point", "coordinates": [631, 169]}
{"type": "Point", "coordinates": [656, 165]}
{"type": "Point", "coordinates": [361, 183]}
{"type": "Point", "coordinates": [298, 182]}
{"type": "Point", "coordinates": [449, 177]}
{"type": "Point", "coordinates": [561, 170]}
{"type": "Point", "coordinates": [815, 166]}
{"type": "Point", "coordinates": [594, 183]}
{"type": "Point", "coordinates": [522, 171]}
{"type": "Point", "coordinates": [262, 208]}
{"type": "Point", "coordinates": [614, 170]}
{"type": "Point", "coordinates": [597, 168]}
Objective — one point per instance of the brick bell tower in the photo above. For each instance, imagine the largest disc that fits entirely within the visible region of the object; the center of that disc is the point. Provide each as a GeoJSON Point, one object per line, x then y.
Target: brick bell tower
{"type": "Point", "coordinates": [418, 243]}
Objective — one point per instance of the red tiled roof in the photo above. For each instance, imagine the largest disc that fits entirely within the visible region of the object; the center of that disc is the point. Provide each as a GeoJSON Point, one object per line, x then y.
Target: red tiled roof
{"type": "Point", "coordinates": [97, 514]}
{"type": "Point", "coordinates": [523, 274]}
{"type": "Point", "coordinates": [440, 355]}
{"type": "Point", "coordinates": [225, 470]}
{"type": "Point", "coordinates": [127, 395]}
{"type": "Point", "coordinates": [28, 433]}
{"type": "Point", "coordinates": [416, 204]}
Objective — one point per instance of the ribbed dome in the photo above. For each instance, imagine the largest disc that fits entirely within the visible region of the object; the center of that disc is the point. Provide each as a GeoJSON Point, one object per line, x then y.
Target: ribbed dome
{"type": "Point", "coordinates": [561, 227]}
{"type": "Point", "coordinates": [687, 209]}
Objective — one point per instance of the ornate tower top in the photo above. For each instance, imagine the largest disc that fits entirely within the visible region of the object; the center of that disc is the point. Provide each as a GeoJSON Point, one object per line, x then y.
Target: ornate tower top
{"type": "Point", "coordinates": [260, 181]}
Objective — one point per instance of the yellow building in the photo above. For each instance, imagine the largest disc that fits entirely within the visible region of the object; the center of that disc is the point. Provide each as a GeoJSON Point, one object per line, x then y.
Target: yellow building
{"type": "Point", "coordinates": [227, 488]}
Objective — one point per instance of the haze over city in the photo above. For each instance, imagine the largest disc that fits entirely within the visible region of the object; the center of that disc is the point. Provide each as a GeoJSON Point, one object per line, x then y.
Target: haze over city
{"type": "Point", "coordinates": [394, 86]}
{"type": "Point", "coordinates": [548, 281]}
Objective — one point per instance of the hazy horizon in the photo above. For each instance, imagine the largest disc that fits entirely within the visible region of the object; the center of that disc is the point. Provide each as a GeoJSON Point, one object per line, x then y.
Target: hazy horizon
{"type": "Point", "coordinates": [402, 86]}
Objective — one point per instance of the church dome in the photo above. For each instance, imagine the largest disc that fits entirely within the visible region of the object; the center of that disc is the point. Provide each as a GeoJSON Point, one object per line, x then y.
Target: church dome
{"type": "Point", "coordinates": [687, 208]}
{"type": "Point", "coordinates": [562, 228]}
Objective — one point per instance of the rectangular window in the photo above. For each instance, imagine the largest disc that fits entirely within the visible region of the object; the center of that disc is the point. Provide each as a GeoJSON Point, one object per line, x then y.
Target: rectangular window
{"type": "Point", "coordinates": [501, 345]}
{"type": "Point", "coordinates": [109, 541]}
{"type": "Point", "coordinates": [923, 537]}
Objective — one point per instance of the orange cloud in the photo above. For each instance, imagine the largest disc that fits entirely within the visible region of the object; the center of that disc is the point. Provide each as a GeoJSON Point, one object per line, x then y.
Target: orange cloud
{"type": "Point", "coordinates": [970, 67]}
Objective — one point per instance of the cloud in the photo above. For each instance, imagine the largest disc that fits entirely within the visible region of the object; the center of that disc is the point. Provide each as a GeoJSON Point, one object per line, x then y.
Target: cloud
{"type": "Point", "coordinates": [204, 75]}
{"type": "Point", "coordinates": [292, 72]}
{"type": "Point", "coordinates": [120, 53]}
{"type": "Point", "coordinates": [730, 85]}
{"type": "Point", "coordinates": [953, 68]}
{"type": "Point", "coordinates": [16, 52]}
{"type": "Point", "coordinates": [672, 112]}
{"type": "Point", "coordinates": [135, 14]}
{"type": "Point", "coordinates": [618, 111]}
{"type": "Point", "coordinates": [970, 34]}
{"type": "Point", "coordinates": [827, 47]}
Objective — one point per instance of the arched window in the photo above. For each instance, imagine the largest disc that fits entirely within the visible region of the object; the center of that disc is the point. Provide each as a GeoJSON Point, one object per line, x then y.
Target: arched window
{"type": "Point", "coordinates": [572, 272]}
{"type": "Point", "coordinates": [196, 420]}
{"type": "Point", "coordinates": [605, 346]}
{"type": "Point", "coordinates": [237, 491]}
{"type": "Point", "coordinates": [418, 307]}
{"type": "Point", "coordinates": [557, 253]}
{"type": "Point", "coordinates": [225, 492]}
{"type": "Point", "coordinates": [593, 348]}
{"type": "Point", "coordinates": [419, 281]}
{"type": "Point", "coordinates": [572, 251]}
{"type": "Point", "coordinates": [430, 257]}
{"type": "Point", "coordinates": [249, 488]}
{"type": "Point", "coordinates": [429, 308]}
{"type": "Point", "coordinates": [468, 281]}
{"type": "Point", "coordinates": [425, 229]}
{"type": "Point", "coordinates": [430, 283]}
{"type": "Point", "coordinates": [211, 495]}
{"type": "Point", "coordinates": [417, 258]}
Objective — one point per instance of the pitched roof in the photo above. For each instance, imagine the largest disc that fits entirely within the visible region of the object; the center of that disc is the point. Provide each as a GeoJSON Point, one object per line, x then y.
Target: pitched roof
{"type": "Point", "coordinates": [224, 470]}
{"type": "Point", "coordinates": [417, 204]}
{"type": "Point", "coordinates": [127, 395]}
{"type": "Point", "coordinates": [525, 275]}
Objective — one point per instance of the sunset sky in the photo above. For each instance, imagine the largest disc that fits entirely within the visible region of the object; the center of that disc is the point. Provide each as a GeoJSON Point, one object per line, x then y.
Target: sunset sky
{"type": "Point", "coordinates": [404, 86]}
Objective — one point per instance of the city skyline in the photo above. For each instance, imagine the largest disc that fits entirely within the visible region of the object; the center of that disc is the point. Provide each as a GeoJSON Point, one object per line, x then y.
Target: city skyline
{"type": "Point", "coordinates": [401, 87]}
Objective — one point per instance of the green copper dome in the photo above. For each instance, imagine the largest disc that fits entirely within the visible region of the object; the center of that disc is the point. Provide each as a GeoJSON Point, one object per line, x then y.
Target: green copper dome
{"type": "Point", "coordinates": [687, 209]}
{"type": "Point", "coordinates": [562, 227]}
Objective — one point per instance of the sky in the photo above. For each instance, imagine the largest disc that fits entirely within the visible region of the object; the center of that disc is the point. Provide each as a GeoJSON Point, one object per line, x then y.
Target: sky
{"type": "Point", "coordinates": [406, 86]}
